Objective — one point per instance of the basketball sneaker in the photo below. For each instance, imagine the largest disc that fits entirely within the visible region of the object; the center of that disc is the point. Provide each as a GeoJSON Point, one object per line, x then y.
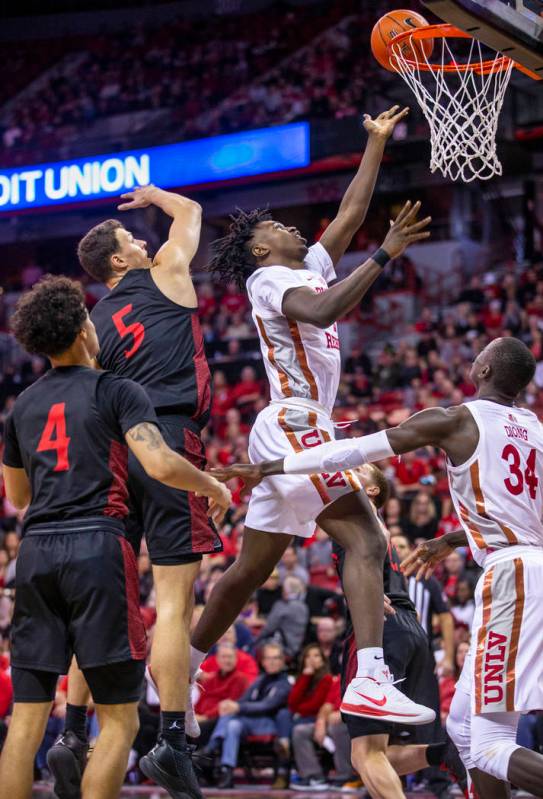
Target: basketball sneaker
{"type": "Point", "coordinates": [172, 769]}
{"type": "Point", "coordinates": [66, 760]}
{"type": "Point", "coordinates": [378, 698]}
{"type": "Point", "coordinates": [192, 727]}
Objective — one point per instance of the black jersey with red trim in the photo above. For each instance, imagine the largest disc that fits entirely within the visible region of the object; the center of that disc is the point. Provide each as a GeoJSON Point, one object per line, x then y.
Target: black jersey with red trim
{"type": "Point", "coordinates": [156, 342]}
{"type": "Point", "coordinates": [395, 585]}
{"type": "Point", "coordinates": [67, 432]}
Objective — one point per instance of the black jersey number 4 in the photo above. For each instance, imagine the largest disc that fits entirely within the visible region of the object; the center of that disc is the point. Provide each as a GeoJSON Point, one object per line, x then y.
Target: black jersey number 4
{"type": "Point", "coordinates": [54, 436]}
{"type": "Point", "coordinates": [136, 329]}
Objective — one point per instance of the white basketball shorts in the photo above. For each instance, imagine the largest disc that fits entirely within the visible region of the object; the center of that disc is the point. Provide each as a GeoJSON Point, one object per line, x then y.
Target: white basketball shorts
{"type": "Point", "coordinates": [507, 633]}
{"type": "Point", "coordinates": [291, 503]}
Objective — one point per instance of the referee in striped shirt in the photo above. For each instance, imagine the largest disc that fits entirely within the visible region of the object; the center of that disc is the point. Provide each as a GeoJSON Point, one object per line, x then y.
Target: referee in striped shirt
{"type": "Point", "coordinates": [429, 601]}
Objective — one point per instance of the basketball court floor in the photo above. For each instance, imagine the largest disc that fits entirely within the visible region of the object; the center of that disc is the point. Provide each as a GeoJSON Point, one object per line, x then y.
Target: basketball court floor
{"type": "Point", "coordinates": [42, 791]}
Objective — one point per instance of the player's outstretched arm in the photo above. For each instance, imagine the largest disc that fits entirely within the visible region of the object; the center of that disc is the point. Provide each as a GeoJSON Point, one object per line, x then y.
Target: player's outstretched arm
{"type": "Point", "coordinates": [452, 429]}
{"type": "Point", "coordinates": [322, 310]}
{"type": "Point", "coordinates": [17, 486]}
{"type": "Point", "coordinates": [438, 427]}
{"type": "Point", "coordinates": [184, 236]}
{"type": "Point", "coordinates": [354, 206]}
{"type": "Point", "coordinates": [163, 464]}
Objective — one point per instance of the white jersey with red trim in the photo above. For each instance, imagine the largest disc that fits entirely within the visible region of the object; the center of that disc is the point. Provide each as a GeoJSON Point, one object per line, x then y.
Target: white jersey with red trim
{"type": "Point", "coordinates": [498, 492]}
{"type": "Point", "coordinates": [301, 359]}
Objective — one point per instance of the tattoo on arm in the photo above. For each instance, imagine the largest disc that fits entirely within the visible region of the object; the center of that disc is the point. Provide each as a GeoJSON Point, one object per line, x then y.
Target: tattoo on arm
{"type": "Point", "coordinates": [149, 433]}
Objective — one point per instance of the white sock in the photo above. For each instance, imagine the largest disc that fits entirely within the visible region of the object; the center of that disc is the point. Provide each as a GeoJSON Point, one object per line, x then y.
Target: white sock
{"type": "Point", "coordinates": [370, 660]}
{"type": "Point", "coordinates": [196, 660]}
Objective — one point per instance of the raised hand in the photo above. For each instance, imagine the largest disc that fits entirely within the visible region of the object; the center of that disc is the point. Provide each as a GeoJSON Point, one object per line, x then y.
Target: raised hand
{"type": "Point", "coordinates": [404, 230]}
{"type": "Point", "coordinates": [140, 197]}
{"type": "Point", "coordinates": [250, 473]}
{"type": "Point", "coordinates": [383, 125]}
{"type": "Point", "coordinates": [424, 559]}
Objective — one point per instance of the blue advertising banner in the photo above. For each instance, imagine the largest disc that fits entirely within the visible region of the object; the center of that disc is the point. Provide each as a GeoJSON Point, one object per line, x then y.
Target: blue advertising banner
{"type": "Point", "coordinates": [188, 163]}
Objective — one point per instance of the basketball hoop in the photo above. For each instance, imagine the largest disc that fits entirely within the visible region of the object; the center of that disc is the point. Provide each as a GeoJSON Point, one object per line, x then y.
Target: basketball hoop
{"type": "Point", "coordinates": [461, 101]}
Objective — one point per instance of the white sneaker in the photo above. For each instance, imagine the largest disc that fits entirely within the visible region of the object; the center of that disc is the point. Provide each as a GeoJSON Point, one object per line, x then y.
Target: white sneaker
{"type": "Point", "coordinates": [378, 698]}
{"type": "Point", "coordinates": [192, 728]}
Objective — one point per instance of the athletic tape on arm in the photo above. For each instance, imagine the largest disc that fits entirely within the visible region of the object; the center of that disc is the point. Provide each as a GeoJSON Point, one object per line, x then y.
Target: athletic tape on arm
{"type": "Point", "coordinates": [335, 456]}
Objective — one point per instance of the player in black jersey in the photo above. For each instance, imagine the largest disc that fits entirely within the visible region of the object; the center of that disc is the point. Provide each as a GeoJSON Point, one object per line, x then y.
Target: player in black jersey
{"type": "Point", "coordinates": [149, 331]}
{"type": "Point", "coordinates": [65, 457]}
{"type": "Point", "coordinates": [409, 657]}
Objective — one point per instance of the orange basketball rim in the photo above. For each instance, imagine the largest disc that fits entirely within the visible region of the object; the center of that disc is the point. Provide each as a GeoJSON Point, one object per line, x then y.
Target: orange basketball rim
{"type": "Point", "coordinates": [446, 31]}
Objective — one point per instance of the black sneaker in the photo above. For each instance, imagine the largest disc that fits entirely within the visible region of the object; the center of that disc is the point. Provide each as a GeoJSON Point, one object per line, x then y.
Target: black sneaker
{"type": "Point", "coordinates": [453, 764]}
{"type": "Point", "coordinates": [66, 760]}
{"type": "Point", "coordinates": [310, 784]}
{"type": "Point", "coordinates": [172, 769]}
{"type": "Point", "coordinates": [226, 778]}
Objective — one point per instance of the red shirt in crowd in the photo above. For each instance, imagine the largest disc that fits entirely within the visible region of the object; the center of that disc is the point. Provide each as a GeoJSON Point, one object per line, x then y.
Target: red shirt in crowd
{"type": "Point", "coordinates": [220, 686]}
{"type": "Point", "coordinates": [6, 694]}
{"type": "Point", "coordinates": [410, 473]}
{"type": "Point", "coordinates": [246, 391]}
{"type": "Point", "coordinates": [222, 401]}
{"type": "Point", "coordinates": [234, 302]}
{"type": "Point", "coordinates": [333, 697]}
{"type": "Point", "coordinates": [246, 665]}
{"type": "Point", "coordinates": [306, 701]}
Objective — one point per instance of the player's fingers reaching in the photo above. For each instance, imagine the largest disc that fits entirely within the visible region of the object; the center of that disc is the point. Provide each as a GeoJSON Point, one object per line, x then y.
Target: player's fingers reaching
{"type": "Point", "coordinates": [409, 564]}
{"type": "Point", "coordinates": [130, 196]}
{"type": "Point", "coordinates": [400, 115]}
{"type": "Point", "coordinates": [411, 215]}
{"type": "Point", "coordinates": [223, 475]}
{"type": "Point", "coordinates": [250, 473]}
{"type": "Point", "coordinates": [403, 213]}
{"type": "Point", "coordinates": [418, 225]}
{"type": "Point", "coordinates": [427, 571]}
{"type": "Point", "coordinates": [418, 237]}
{"type": "Point", "coordinates": [216, 512]}
{"type": "Point", "coordinates": [389, 113]}
{"type": "Point", "coordinates": [387, 606]}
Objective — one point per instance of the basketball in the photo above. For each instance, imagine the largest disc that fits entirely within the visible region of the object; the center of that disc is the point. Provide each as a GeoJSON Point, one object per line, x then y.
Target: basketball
{"type": "Point", "coordinates": [392, 24]}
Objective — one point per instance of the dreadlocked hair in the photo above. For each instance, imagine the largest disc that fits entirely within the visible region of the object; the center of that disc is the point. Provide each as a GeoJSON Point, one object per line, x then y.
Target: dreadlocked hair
{"type": "Point", "coordinates": [232, 260]}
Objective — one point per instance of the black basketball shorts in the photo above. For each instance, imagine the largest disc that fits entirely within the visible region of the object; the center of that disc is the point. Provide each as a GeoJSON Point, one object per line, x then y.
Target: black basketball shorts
{"type": "Point", "coordinates": [175, 523]}
{"type": "Point", "coordinates": [77, 593]}
{"type": "Point", "coordinates": [409, 658]}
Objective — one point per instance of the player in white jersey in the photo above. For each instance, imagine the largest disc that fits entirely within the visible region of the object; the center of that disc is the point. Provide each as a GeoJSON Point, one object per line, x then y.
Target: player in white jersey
{"type": "Point", "coordinates": [495, 466]}
{"type": "Point", "coordinates": [296, 313]}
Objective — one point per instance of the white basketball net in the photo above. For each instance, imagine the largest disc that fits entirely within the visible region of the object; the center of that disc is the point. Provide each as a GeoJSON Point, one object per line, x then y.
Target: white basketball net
{"type": "Point", "coordinates": [461, 107]}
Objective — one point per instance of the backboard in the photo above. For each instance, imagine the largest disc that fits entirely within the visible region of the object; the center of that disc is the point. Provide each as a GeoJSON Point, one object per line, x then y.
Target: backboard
{"type": "Point", "coordinates": [513, 27]}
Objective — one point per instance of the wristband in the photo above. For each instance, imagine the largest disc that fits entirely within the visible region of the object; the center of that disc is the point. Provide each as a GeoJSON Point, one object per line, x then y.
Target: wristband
{"type": "Point", "coordinates": [381, 257]}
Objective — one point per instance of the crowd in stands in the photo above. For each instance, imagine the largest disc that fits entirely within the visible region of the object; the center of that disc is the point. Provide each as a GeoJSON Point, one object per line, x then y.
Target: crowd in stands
{"type": "Point", "coordinates": [185, 66]}
{"type": "Point", "coordinates": [289, 634]}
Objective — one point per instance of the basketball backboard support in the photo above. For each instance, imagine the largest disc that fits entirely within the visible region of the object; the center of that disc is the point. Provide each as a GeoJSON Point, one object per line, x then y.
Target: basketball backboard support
{"type": "Point", "coordinates": [512, 27]}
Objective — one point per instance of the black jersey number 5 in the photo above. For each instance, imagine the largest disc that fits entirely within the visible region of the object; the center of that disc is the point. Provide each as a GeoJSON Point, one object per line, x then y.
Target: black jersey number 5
{"type": "Point", "coordinates": [135, 329]}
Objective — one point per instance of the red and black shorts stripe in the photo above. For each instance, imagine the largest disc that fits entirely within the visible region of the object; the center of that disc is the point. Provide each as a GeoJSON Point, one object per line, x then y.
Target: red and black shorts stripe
{"type": "Point", "coordinates": [76, 593]}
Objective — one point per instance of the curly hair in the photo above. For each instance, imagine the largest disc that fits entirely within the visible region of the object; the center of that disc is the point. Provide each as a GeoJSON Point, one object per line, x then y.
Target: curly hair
{"type": "Point", "coordinates": [96, 248]}
{"type": "Point", "coordinates": [232, 260]}
{"type": "Point", "coordinates": [48, 318]}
